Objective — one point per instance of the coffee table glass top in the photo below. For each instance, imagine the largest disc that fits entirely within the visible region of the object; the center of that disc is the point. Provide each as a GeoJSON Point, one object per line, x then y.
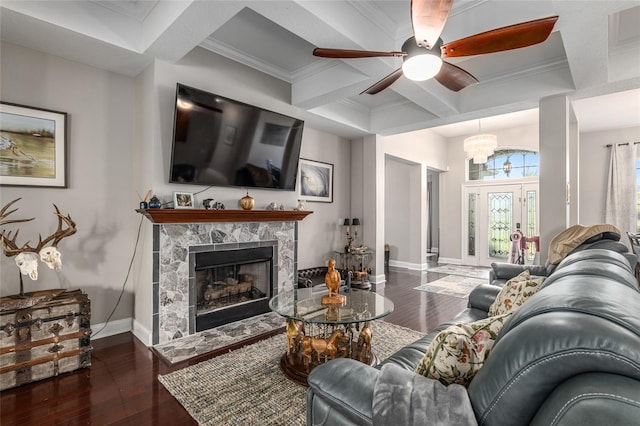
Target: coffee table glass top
{"type": "Point", "coordinates": [304, 304]}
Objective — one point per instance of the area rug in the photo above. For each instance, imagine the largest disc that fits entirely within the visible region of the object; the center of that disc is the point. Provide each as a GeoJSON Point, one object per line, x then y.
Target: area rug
{"type": "Point", "coordinates": [247, 387]}
{"type": "Point", "coordinates": [463, 270]}
{"type": "Point", "coordinates": [452, 285]}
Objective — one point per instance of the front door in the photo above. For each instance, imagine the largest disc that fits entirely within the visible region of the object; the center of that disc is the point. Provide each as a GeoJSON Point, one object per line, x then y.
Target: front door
{"type": "Point", "coordinates": [492, 214]}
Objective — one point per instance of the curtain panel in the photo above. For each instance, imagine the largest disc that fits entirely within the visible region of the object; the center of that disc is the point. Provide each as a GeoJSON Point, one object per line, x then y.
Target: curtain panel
{"type": "Point", "coordinates": [620, 201]}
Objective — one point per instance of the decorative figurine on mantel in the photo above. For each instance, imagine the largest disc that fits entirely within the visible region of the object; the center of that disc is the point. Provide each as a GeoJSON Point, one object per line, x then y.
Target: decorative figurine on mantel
{"type": "Point", "coordinates": [332, 280]}
{"type": "Point", "coordinates": [247, 202]}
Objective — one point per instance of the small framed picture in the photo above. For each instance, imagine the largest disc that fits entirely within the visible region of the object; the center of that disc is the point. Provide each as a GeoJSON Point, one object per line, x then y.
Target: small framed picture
{"type": "Point", "coordinates": [315, 181]}
{"type": "Point", "coordinates": [183, 200]}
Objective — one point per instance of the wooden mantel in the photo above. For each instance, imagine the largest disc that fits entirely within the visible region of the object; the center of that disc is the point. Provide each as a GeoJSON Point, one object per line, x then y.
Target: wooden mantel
{"type": "Point", "coordinates": [202, 215]}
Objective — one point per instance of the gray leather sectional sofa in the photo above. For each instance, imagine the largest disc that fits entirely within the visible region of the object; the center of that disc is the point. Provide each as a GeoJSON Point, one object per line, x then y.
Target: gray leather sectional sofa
{"type": "Point", "coordinates": [570, 355]}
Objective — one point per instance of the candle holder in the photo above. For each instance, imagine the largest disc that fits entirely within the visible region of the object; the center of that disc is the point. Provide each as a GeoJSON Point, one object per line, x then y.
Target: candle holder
{"type": "Point", "coordinates": [347, 226]}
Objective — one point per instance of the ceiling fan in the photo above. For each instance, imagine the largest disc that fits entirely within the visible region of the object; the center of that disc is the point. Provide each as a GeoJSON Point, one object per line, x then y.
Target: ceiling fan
{"type": "Point", "coordinates": [424, 54]}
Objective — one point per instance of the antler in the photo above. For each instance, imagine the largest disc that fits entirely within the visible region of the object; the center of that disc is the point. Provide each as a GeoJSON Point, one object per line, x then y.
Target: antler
{"type": "Point", "coordinates": [60, 233]}
{"type": "Point", "coordinates": [9, 244]}
{"type": "Point", "coordinates": [4, 213]}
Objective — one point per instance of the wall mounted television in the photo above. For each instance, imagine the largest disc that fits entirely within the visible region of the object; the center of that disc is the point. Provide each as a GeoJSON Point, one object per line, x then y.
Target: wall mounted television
{"type": "Point", "coordinates": [222, 142]}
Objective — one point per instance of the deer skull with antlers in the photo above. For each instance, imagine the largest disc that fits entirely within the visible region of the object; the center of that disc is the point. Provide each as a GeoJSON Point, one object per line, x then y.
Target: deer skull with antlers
{"type": "Point", "coordinates": [27, 256]}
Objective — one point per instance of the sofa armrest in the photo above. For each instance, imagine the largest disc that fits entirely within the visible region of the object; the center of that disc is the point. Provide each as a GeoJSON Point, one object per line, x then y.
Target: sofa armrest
{"type": "Point", "coordinates": [341, 392]}
{"type": "Point", "coordinates": [592, 398]}
{"type": "Point", "coordinates": [483, 296]}
{"type": "Point", "coordinates": [403, 397]}
{"type": "Point", "coordinates": [506, 271]}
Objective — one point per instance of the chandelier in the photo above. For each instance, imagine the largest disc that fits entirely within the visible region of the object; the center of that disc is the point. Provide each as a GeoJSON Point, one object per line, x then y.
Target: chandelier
{"type": "Point", "coordinates": [480, 146]}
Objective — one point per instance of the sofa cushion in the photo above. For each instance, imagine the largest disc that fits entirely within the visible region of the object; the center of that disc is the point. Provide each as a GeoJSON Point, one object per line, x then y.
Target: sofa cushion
{"type": "Point", "coordinates": [456, 354]}
{"type": "Point", "coordinates": [514, 293]}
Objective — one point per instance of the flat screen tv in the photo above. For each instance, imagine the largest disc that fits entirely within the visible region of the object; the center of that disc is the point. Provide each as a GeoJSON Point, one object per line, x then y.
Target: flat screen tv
{"type": "Point", "coordinates": [223, 142]}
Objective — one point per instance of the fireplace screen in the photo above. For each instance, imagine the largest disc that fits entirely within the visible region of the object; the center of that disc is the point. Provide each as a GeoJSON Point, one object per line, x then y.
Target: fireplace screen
{"type": "Point", "coordinates": [222, 286]}
{"type": "Point", "coordinates": [232, 284]}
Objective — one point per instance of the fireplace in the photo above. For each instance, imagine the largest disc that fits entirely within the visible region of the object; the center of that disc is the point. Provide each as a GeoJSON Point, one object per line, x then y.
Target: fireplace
{"type": "Point", "coordinates": [231, 285]}
{"type": "Point", "coordinates": [177, 286]}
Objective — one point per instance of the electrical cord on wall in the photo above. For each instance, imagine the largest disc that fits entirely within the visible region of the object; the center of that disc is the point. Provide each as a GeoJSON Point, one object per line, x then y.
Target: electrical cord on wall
{"type": "Point", "coordinates": [124, 284]}
{"type": "Point", "coordinates": [126, 278]}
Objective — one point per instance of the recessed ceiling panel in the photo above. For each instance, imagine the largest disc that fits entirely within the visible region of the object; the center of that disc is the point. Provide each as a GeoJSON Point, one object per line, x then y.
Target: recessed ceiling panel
{"type": "Point", "coordinates": [262, 39]}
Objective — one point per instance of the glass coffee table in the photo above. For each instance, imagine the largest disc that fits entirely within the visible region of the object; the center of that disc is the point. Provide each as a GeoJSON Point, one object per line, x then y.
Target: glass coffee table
{"type": "Point", "coordinates": [317, 333]}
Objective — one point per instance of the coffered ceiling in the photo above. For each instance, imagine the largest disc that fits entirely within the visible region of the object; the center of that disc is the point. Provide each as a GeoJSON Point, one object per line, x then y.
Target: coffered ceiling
{"type": "Point", "coordinates": [593, 52]}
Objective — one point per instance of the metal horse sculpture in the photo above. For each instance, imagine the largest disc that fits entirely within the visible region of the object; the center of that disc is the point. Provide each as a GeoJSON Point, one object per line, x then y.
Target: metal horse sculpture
{"type": "Point", "coordinates": [295, 331]}
{"type": "Point", "coordinates": [328, 347]}
{"type": "Point", "coordinates": [363, 347]}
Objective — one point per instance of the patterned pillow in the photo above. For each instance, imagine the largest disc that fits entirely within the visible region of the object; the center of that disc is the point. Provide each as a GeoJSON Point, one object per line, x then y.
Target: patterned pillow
{"type": "Point", "coordinates": [456, 353]}
{"type": "Point", "coordinates": [514, 293]}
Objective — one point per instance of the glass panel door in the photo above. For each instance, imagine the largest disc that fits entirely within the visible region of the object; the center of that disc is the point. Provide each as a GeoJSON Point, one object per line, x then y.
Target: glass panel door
{"type": "Point", "coordinates": [492, 214]}
{"type": "Point", "coordinates": [470, 226]}
{"type": "Point", "coordinates": [500, 207]}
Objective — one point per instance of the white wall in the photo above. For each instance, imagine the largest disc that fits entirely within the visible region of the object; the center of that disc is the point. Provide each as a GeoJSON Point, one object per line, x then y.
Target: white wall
{"type": "Point", "coordinates": [397, 199]}
{"type": "Point", "coordinates": [320, 233]}
{"type": "Point", "coordinates": [99, 197]}
{"type": "Point", "coordinates": [420, 150]}
{"type": "Point", "coordinates": [594, 160]}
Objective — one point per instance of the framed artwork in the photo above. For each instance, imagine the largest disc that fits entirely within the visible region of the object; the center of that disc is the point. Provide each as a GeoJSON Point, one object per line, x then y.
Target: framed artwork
{"type": "Point", "coordinates": [33, 146]}
{"type": "Point", "coordinates": [315, 181]}
{"type": "Point", "coordinates": [230, 135]}
{"type": "Point", "coordinates": [183, 200]}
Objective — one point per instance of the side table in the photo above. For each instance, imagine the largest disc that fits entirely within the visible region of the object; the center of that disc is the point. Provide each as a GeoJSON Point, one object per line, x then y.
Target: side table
{"type": "Point", "coordinates": [43, 335]}
{"type": "Point", "coordinates": [357, 262]}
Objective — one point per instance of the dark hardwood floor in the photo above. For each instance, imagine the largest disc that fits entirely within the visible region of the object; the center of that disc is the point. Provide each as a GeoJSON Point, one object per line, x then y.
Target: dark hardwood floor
{"type": "Point", "coordinates": [121, 388]}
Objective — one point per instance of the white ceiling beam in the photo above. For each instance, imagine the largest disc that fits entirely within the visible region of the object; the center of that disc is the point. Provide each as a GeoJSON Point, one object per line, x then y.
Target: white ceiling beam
{"type": "Point", "coordinates": [173, 29]}
{"type": "Point", "coordinates": [42, 36]}
{"type": "Point", "coordinates": [328, 86]}
{"type": "Point", "coordinates": [85, 18]}
{"type": "Point", "coordinates": [586, 38]}
{"type": "Point", "coordinates": [347, 113]}
{"type": "Point", "coordinates": [337, 25]}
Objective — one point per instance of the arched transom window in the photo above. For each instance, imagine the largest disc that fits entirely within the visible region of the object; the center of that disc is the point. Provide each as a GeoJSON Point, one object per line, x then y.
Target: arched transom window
{"type": "Point", "coordinates": [506, 164]}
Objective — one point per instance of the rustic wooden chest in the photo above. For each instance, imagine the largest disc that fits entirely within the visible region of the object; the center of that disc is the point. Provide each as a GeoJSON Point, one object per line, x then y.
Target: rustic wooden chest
{"type": "Point", "coordinates": [50, 336]}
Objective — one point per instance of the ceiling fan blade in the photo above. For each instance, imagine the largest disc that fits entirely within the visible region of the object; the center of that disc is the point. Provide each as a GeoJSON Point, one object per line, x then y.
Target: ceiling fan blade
{"type": "Point", "coordinates": [384, 83]}
{"type": "Point", "coordinates": [454, 78]}
{"type": "Point", "coordinates": [428, 18]}
{"type": "Point", "coordinates": [352, 54]}
{"type": "Point", "coordinates": [505, 38]}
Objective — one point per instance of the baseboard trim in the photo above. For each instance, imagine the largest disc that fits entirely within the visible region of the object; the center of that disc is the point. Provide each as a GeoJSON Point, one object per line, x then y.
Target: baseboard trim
{"type": "Point", "coordinates": [111, 328]}
{"type": "Point", "coordinates": [378, 279]}
{"type": "Point", "coordinates": [142, 333]}
{"type": "Point", "coordinates": [450, 260]}
{"type": "Point", "coordinates": [408, 265]}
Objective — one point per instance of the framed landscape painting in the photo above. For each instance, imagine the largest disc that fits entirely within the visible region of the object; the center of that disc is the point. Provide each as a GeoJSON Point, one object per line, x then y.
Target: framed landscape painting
{"type": "Point", "coordinates": [315, 181]}
{"type": "Point", "coordinates": [33, 146]}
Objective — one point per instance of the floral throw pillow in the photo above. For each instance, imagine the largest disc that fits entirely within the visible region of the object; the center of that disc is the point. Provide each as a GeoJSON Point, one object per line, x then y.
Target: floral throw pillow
{"type": "Point", "coordinates": [456, 353]}
{"type": "Point", "coordinates": [514, 293]}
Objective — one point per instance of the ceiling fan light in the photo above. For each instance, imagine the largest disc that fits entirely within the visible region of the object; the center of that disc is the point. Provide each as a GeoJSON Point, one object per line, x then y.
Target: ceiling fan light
{"type": "Point", "coordinates": [421, 67]}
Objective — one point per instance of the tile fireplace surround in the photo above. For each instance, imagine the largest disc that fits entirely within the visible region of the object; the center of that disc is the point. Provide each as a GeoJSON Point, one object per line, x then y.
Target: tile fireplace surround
{"type": "Point", "coordinates": [174, 310]}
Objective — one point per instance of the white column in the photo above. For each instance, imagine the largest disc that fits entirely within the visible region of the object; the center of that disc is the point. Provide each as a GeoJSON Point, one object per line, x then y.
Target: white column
{"type": "Point", "coordinates": [558, 169]}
